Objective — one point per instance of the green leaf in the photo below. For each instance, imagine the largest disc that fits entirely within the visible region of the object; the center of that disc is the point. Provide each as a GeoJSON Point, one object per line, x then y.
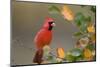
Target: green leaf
{"type": "Point", "coordinates": [76, 52]}
{"type": "Point", "coordinates": [88, 19]}
{"type": "Point", "coordinates": [54, 9]}
{"type": "Point", "coordinates": [93, 9]}
{"type": "Point", "coordinates": [50, 57]}
{"type": "Point", "coordinates": [77, 34]}
{"type": "Point", "coordinates": [82, 22]}
{"type": "Point", "coordinates": [83, 27]}
{"type": "Point", "coordinates": [70, 58]}
{"type": "Point", "coordinates": [53, 60]}
{"type": "Point", "coordinates": [79, 19]}
{"type": "Point", "coordinates": [90, 46]}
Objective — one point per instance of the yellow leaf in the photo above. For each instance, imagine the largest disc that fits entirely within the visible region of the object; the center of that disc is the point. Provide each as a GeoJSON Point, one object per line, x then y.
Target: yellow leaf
{"type": "Point", "coordinates": [60, 53]}
{"type": "Point", "coordinates": [91, 28]}
{"type": "Point", "coordinates": [87, 54]}
{"type": "Point", "coordinates": [67, 13]}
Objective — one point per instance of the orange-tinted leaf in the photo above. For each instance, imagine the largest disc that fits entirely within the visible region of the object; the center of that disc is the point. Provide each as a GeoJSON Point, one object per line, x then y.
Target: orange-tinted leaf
{"type": "Point", "coordinates": [91, 28]}
{"type": "Point", "coordinates": [87, 54]}
{"type": "Point", "coordinates": [60, 53]}
{"type": "Point", "coordinates": [67, 13]}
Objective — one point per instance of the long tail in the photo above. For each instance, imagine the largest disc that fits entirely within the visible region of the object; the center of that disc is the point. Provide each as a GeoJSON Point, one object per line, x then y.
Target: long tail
{"type": "Point", "coordinates": [38, 56]}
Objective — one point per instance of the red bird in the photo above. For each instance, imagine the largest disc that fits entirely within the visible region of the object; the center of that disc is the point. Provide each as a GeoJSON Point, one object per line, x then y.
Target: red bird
{"type": "Point", "coordinates": [42, 38]}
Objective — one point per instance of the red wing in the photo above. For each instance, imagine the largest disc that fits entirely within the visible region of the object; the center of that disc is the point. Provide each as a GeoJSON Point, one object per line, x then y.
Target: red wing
{"type": "Point", "coordinates": [43, 38]}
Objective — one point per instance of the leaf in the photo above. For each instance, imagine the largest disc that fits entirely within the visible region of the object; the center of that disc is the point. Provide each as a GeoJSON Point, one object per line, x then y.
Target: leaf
{"type": "Point", "coordinates": [69, 57]}
{"type": "Point", "coordinates": [79, 19]}
{"type": "Point", "coordinates": [93, 38]}
{"type": "Point", "coordinates": [83, 42]}
{"type": "Point", "coordinates": [77, 34]}
{"type": "Point", "coordinates": [67, 13]}
{"type": "Point", "coordinates": [88, 19]}
{"type": "Point", "coordinates": [93, 9]}
{"type": "Point", "coordinates": [54, 9]}
{"type": "Point", "coordinates": [60, 52]}
{"type": "Point", "coordinates": [91, 28]}
{"type": "Point", "coordinates": [50, 57]}
{"type": "Point", "coordinates": [87, 54]}
{"type": "Point", "coordinates": [59, 60]}
{"type": "Point", "coordinates": [83, 27]}
{"type": "Point", "coordinates": [76, 52]}
{"type": "Point", "coordinates": [53, 60]}
{"type": "Point", "coordinates": [46, 50]}
{"type": "Point", "coordinates": [90, 47]}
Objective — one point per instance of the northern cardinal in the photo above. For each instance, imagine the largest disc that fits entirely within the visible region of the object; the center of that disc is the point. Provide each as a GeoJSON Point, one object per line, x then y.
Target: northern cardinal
{"type": "Point", "coordinates": [43, 38]}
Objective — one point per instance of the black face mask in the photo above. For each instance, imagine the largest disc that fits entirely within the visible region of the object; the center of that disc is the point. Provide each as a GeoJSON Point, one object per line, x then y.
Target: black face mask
{"type": "Point", "coordinates": [50, 26]}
